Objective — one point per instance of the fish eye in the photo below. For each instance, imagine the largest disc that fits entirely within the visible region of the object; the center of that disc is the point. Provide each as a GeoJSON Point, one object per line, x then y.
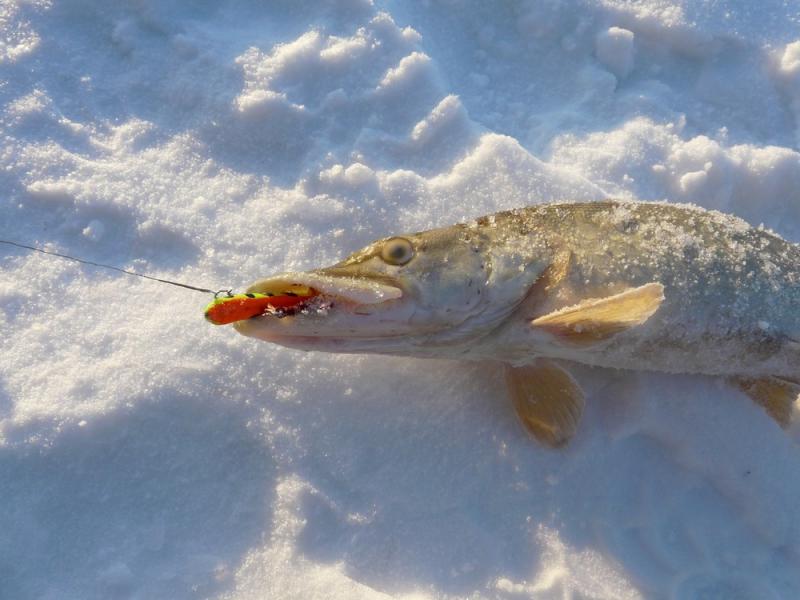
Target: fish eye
{"type": "Point", "coordinates": [397, 251]}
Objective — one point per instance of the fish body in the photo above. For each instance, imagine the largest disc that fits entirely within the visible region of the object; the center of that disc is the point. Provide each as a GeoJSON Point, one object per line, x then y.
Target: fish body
{"type": "Point", "coordinates": [634, 285]}
{"type": "Point", "coordinates": [731, 292]}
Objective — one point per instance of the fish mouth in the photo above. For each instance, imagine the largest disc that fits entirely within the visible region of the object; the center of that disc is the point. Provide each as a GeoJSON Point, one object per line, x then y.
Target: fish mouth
{"type": "Point", "coordinates": [321, 293]}
{"type": "Point", "coordinates": [317, 292]}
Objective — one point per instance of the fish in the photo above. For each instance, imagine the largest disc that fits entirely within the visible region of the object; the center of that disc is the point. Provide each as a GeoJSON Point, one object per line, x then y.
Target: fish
{"type": "Point", "coordinates": [647, 286]}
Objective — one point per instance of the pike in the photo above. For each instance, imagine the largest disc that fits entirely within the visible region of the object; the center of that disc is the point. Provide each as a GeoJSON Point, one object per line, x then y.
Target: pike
{"type": "Point", "coordinates": [631, 285]}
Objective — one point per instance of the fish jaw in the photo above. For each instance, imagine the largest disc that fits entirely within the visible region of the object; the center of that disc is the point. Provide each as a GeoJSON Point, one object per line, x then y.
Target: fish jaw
{"type": "Point", "coordinates": [345, 314]}
{"type": "Point", "coordinates": [356, 290]}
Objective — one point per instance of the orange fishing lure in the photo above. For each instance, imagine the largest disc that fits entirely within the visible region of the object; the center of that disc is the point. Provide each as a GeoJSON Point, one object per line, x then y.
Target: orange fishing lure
{"type": "Point", "coordinates": [229, 309]}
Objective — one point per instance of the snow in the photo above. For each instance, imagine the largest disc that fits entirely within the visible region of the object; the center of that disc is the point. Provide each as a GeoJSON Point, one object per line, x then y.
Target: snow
{"type": "Point", "coordinates": [614, 49]}
{"type": "Point", "coordinates": [147, 454]}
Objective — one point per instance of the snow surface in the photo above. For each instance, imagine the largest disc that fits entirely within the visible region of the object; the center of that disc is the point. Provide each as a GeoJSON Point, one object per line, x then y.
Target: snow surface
{"type": "Point", "coordinates": [145, 454]}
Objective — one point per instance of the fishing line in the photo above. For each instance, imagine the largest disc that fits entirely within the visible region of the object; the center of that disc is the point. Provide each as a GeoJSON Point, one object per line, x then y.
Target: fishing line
{"type": "Point", "coordinates": [96, 264]}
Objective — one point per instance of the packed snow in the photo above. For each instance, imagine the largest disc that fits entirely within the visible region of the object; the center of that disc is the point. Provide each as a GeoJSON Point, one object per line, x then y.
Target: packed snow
{"type": "Point", "coordinates": [147, 454]}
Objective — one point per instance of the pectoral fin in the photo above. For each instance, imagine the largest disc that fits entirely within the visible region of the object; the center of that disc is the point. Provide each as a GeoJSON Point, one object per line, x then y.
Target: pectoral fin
{"type": "Point", "coordinates": [548, 401]}
{"type": "Point", "coordinates": [598, 319]}
{"type": "Point", "coordinates": [776, 395]}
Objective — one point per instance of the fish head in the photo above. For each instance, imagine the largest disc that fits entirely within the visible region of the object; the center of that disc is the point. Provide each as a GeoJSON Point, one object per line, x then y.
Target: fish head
{"type": "Point", "coordinates": [399, 295]}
